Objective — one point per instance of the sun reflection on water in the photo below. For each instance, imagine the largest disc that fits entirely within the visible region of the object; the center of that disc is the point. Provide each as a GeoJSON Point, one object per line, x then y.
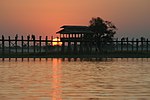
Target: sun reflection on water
{"type": "Point", "coordinates": [56, 77]}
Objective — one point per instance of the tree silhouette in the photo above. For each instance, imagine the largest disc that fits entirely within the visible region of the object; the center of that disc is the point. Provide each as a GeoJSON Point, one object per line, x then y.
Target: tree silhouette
{"type": "Point", "coordinates": [102, 31]}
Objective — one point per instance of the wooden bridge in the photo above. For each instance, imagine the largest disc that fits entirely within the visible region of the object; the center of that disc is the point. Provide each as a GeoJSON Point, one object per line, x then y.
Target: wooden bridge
{"type": "Point", "coordinates": [72, 43]}
{"type": "Point", "coordinates": [44, 47]}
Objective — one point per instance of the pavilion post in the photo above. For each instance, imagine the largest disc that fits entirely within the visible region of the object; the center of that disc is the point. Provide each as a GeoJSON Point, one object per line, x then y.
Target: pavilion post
{"type": "Point", "coordinates": [63, 46]}
{"type": "Point", "coordinates": [75, 47]}
{"type": "Point", "coordinates": [69, 47]}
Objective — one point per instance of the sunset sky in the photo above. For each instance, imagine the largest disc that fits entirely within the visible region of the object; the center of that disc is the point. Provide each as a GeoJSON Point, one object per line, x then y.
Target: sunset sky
{"type": "Point", "coordinates": [44, 17]}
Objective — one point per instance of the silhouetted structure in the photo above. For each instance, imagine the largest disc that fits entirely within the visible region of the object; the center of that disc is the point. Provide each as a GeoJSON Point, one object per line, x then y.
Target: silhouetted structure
{"type": "Point", "coordinates": [72, 37]}
{"type": "Point", "coordinates": [43, 48]}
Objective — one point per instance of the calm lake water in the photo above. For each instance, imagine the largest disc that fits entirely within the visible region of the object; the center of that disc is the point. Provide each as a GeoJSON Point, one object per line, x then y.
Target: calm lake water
{"type": "Point", "coordinates": [55, 79]}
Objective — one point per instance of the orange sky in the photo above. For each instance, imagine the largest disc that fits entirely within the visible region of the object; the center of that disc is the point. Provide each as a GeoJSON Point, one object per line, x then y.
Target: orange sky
{"type": "Point", "coordinates": [44, 17]}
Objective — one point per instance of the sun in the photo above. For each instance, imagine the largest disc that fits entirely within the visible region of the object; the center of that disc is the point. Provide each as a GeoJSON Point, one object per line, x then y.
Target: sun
{"type": "Point", "coordinates": [56, 42]}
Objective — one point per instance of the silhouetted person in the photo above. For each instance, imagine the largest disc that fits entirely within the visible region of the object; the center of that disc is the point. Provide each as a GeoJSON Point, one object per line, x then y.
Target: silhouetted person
{"type": "Point", "coordinates": [33, 37]}
{"type": "Point", "coordinates": [16, 37]}
{"type": "Point", "coordinates": [123, 39]}
{"type": "Point", "coordinates": [28, 37]}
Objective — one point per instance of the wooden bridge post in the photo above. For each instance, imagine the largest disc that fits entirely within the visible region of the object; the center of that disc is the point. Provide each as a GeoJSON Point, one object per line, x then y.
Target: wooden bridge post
{"type": "Point", "coordinates": [147, 45]}
{"type": "Point", "coordinates": [28, 38]}
{"type": "Point", "coordinates": [51, 41]}
{"type": "Point", "coordinates": [40, 44]}
{"type": "Point", "coordinates": [127, 44]}
{"type": "Point", "coordinates": [116, 45]}
{"type": "Point", "coordinates": [122, 44]}
{"type": "Point", "coordinates": [34, 45]}
{"type": "Point", "coordinates": [9, 47]}
{"type": "Point", "coordinates": [9, 44]}
{"type": "Point", "coordinates": [137, 45]}
{"type": "Point", "coordinates": [57, 44]}
{"type": "Point", "coordinates": [46, 44]}
{"type": "Point", "coordinates": [22, 45]}
{"type": "Point", "coordinates": [142, 40]}
{"type": "Point", "coordinates": [3, 45]}
{"type": "Point", "coordinates": [16, 40]}
{"type": "Point", "coordinates": [16, 45]}
{"type": "Point", "coordinates": [132, 44]}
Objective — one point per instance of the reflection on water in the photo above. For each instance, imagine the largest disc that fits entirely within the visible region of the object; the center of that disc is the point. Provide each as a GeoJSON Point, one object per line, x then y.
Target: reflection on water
{"type": "Point", "coordinates": [86, 79]}
{"type": "Point", "coordinates": [56, 76]}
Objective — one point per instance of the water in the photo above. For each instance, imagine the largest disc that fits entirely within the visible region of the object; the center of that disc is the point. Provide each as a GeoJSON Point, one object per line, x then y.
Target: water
{"type": "Point", "coordinates": [55, 79]}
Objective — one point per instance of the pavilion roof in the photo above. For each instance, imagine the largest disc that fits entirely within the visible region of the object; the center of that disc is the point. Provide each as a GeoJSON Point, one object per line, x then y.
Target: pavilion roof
{"type": "Point", "coordinates": [67, 29]}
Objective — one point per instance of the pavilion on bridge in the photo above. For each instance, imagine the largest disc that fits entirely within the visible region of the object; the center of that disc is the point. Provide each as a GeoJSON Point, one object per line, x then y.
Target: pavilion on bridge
{"type": "Point", "coordinates": [72, 36]}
